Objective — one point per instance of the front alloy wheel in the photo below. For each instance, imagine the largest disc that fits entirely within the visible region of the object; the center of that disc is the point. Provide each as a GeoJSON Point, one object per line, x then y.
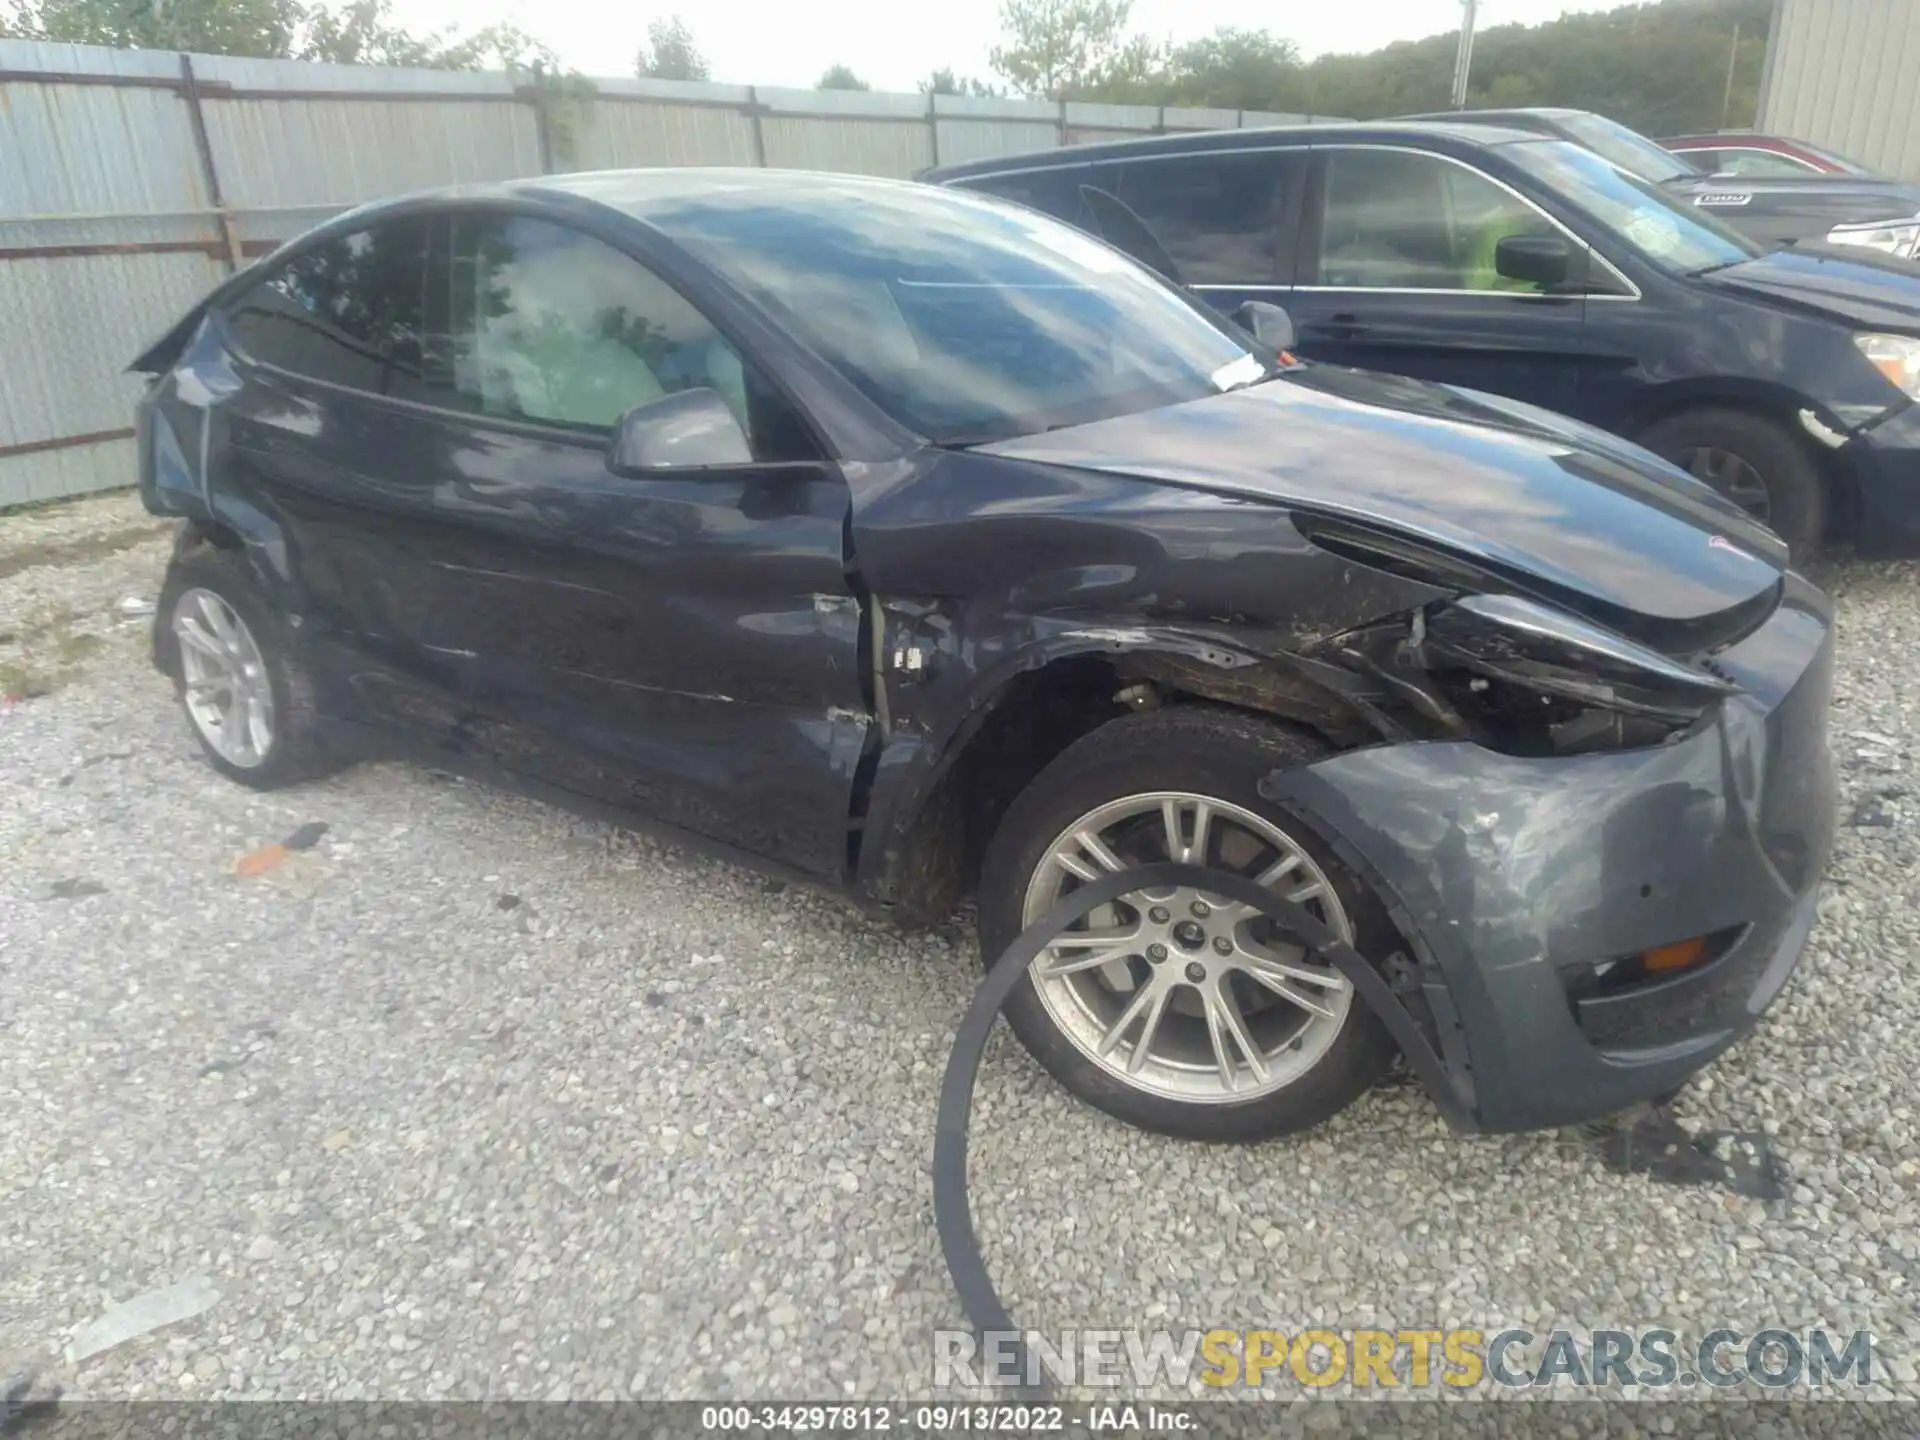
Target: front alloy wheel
{"type": "Point", "coordinates": [1175, 1009]}
{"type": "Point", "coordinates": [1180, 993]}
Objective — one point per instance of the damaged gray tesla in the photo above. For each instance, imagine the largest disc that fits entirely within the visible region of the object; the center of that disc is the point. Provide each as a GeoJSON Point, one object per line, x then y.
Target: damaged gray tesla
{"type": "Point", "coordinates": [916, 544]}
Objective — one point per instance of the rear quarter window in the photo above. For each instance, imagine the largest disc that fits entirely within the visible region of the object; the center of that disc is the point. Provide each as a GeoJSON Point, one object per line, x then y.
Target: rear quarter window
{"type": "Point", "coordinates": [1053, 192]}
{"type": "Point", "coordinates": [348, 311]}
{"type": "Point", "coordinates": [1218, 216]}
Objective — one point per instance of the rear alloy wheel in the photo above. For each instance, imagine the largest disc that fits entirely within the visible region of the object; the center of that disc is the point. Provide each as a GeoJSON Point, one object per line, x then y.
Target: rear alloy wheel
{"type": "Point", "coordinates": [247, 699]}
{"type": "Point", "coordinates": [223, 680]}
{"type": "Point", "coordinates": [1175, 1009]}
{"type": "Point", "coordinates": [1756, 464]}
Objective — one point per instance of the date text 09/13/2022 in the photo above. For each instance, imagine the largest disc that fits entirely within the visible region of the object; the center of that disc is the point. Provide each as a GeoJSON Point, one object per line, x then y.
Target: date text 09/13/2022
{"type": "Point", "coordinates": [1026, 1419]}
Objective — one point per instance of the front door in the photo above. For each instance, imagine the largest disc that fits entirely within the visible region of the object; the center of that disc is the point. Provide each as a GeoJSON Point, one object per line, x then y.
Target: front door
{"type": "Point", "coordinates": [684, 646]}
{"type": "Point", "coordinates": [1397, 274]}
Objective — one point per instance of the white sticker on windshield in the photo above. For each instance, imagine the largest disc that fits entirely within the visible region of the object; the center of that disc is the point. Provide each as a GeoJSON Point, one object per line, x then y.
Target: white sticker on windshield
{"type": "Point", "coordinates": [1243, 371]}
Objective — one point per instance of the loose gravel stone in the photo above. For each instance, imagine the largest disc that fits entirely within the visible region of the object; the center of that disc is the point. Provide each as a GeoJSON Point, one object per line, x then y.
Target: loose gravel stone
{"type": "Point", "coordinates": [474, 1098]}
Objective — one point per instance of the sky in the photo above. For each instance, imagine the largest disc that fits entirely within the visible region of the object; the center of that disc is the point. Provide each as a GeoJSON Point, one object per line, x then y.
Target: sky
{"type": "Point", "coordinates": [894, 43]}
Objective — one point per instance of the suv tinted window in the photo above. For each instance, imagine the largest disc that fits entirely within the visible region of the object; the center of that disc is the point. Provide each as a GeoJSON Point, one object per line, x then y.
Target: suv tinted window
{"type": "Point", "coordinates": [1054, 192]}
{"type": "Point", "coordinates": [348, 311]}
{"type": "Point", "coordinates": [1396, 219]}
{"type": "Point", "coordinates": [1218, 216]}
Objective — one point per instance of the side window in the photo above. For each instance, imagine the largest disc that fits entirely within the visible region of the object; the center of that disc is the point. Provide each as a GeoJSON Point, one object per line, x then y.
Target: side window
{"type": "Point", "coordinates": [348, 312]}
{"type": "Point", "coordinates": [534, 321]}
{"type": "Point", "coordinates": [1218, 216]}
{"type": "Point", "coordinates": [1053, 192]}
{"type": "Point", "coordinates": [1395, 219]}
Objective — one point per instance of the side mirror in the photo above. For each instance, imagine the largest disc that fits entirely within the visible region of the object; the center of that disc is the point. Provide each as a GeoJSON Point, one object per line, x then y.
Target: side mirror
{"type": "Point", "coordinates": [692, 430]}
{"type": "Point", "coordinates": [1270, 324]}
{"type": "Point", "coordinates": [1545, 260]}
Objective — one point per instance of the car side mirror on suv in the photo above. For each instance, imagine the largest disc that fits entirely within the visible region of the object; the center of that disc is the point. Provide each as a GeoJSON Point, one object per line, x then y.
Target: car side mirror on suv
{"type": "Point", "coordinates": [1544, 260]}
{"type": "Point", "coordinates": [691, 430]}
{"type": "Point", "coordinates": [1269, 324]}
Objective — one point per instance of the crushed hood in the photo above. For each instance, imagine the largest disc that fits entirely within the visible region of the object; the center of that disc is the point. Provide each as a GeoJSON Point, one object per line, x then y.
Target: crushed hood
{"type": "Point", "coordinates": [1506, 484]}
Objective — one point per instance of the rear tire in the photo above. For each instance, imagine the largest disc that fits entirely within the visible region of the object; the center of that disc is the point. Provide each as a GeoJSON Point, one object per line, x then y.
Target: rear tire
{"type": "Point", "coordinates": [1188, 1078]}
{"type": "Point", "coordinates": [1732, 449]}
{"type": "Point", "coordinates": [247, 699]}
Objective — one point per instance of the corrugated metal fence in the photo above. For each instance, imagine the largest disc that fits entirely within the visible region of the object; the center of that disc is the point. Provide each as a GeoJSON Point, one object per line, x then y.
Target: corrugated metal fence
{"type": "Point", "coordinates": [1841, 73]}
{"type": "Point", "coordinates": [132, 181]}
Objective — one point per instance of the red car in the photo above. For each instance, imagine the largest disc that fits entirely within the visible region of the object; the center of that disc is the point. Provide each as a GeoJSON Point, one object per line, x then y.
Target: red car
{"type": "Point", "coordinates": [1739, 153]}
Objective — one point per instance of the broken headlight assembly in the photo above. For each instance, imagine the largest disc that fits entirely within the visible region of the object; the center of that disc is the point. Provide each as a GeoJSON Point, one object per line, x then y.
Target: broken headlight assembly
{"type": "Point", "coordinates": [1526, 678]}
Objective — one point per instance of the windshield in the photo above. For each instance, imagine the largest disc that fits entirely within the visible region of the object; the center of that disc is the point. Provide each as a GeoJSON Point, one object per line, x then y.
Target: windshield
{"type": "Point", "coordinates": [964, 318]}
{"type": "Point", "coordinates": [1629, 149]}
{"type": "Point", "coordinates": [1665, 229]}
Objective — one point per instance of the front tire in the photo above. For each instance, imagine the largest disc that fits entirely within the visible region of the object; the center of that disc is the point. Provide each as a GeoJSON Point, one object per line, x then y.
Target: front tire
{"type": "Point", "coordinates": [1755, 463]}
{"type": "Point", "coordinates": [247, 699]}
{"type": "Point", "coordinates": [1229, 1032]}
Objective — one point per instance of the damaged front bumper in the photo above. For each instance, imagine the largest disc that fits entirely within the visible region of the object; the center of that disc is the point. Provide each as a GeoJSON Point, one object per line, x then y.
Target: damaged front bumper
{"type": "Point", "coordinates": [1527, 888]}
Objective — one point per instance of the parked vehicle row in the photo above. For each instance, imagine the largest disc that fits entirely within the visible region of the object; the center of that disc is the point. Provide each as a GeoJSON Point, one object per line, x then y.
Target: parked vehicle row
{"type": "Point", "coordinates": [1854, 210]}
{"type": "Point", "coordinates": [1528, 266]}
{"type": "Point", "coordinates": [924, 545]}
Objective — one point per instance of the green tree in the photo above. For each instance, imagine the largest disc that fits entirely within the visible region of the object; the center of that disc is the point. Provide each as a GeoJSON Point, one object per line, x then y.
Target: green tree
{"type": "Point", "coordinates": [360, 32]}
{"type": "Point", "coordinates": [1234, 69]}
{"type": "Point", "coordinates": [840, 77]}
{"type": "Point", "coordinates": [268, 28]}
{"type": "Point", "coordinates": [1660, 67]}
{"type": "Point", "coordinates": [670, 53]}
{"type": "Point", "coordinates": [1073, 48]}
{"type": "Point", "coordinates": [944, 82]}
{"type": "Point", "coordinates": [363, 33]}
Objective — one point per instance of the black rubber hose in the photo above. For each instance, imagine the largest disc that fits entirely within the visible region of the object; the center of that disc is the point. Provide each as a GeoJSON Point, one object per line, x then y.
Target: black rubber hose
{"type": "Point", "coordinates": [952, 1214]}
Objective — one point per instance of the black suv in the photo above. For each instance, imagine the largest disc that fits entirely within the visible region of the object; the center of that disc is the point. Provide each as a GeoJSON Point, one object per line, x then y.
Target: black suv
{"type": "Point", "coordinates": [1525, 265]}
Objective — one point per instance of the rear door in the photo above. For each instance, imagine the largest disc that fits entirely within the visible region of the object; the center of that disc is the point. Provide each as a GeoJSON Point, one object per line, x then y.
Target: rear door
{"type": "Point", "coordinates": [1226, 219]}
{"type": "Point", "coordinates": [683, 645]}
{"type": "Point", "coordinates": [1222, 223]}
{"type": "Point", "coordinates": [1396, 273]}
{"type": "Point", "coordinates": [324, 343]}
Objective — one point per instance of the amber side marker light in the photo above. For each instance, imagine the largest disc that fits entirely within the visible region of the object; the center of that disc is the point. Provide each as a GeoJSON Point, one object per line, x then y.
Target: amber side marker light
{"type": "Point", "coordinates": [1681, 955]}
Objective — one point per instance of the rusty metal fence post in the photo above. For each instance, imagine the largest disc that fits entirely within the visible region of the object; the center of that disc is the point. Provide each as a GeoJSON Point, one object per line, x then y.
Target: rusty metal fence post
{"type": "Point", "coordinates": [754, 111]}
{"type": "Point", "coordinates": [196, 117]}
{"type": "Point", "coordinates": [536, 96]}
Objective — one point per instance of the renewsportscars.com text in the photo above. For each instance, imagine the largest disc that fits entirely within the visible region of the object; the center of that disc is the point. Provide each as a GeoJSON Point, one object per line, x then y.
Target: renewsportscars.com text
{"type": "Point", "coordinates": [1367, 1361]}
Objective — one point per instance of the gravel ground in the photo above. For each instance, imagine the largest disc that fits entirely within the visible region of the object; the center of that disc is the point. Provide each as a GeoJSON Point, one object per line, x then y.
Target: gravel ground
{"type": "Point", "coordinates": [475, 1099]}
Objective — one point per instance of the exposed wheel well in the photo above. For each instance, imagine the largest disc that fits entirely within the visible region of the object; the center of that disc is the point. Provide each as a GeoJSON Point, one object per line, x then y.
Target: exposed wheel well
{"type": "Point", "coordinates": [1035, 718]}
{"type": "Point", "coordinates": [209, 532]}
